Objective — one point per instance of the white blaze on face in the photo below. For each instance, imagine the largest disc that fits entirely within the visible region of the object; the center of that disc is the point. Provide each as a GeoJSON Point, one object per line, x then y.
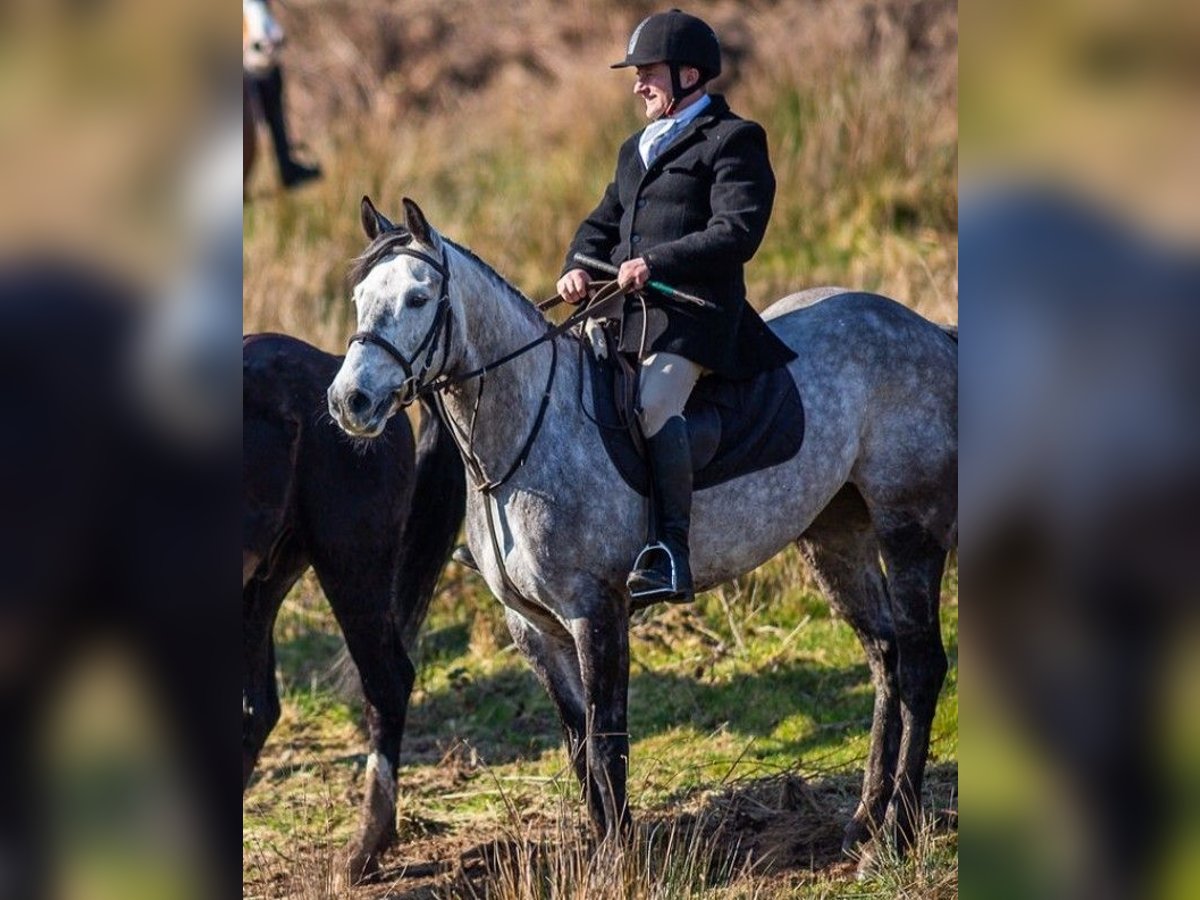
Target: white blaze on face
{"type": "Point", "coordinates": [262, 38]}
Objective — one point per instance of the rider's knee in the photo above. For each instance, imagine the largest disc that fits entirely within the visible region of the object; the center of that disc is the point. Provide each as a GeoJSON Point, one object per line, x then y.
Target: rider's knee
{"type": "Point", "coordinates": [653, 416]}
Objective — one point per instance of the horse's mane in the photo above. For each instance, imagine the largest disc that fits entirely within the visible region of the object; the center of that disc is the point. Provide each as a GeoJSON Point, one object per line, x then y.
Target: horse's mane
{"type": "Point", "coordinates": [385, 243]}
{"type": "Point", "coordinates": [526, 305]}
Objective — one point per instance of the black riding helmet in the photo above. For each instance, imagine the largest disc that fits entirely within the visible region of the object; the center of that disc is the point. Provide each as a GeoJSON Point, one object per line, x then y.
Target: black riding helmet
{"type": "Point", "coordinates": [677, 39]}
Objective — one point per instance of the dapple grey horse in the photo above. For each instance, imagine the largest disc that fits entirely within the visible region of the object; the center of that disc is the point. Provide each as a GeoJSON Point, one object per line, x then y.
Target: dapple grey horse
{"type": "Point", "coordinates": [873, 490]}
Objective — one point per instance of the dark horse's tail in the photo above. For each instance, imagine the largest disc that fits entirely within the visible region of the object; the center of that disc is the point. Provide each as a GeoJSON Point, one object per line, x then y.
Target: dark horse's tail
{"type": "Point", "coordinates": [438, 504]}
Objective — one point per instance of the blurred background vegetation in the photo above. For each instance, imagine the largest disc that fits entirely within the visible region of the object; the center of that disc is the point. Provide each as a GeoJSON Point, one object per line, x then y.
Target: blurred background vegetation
{"type": "Point", "coordinates": [503, 122]}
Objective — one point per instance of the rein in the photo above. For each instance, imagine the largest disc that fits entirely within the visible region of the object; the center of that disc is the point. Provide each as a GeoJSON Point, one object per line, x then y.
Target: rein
{"type": "Point", "coordinates": [439, 331]}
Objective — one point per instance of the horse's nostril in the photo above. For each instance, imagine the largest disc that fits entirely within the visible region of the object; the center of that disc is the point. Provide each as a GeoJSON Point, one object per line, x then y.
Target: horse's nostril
{"type": "Point", "coordinates": [358, 402]}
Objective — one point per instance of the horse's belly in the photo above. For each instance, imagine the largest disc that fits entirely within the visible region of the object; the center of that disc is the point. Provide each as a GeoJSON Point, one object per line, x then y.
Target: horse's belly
{"type": "Point", "coordinates": [739, 525]}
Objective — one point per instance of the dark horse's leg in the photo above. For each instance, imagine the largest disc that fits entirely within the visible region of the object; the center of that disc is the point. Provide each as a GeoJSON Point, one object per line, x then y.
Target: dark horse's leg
{"type": "Point", "coordinates": [361, 604]}
{"type": "Point", "coordinates": [380, 608]}
{"type": "Point", "coordinates": [261, 600]}
{"type": "Point", "coordinates": [843, 552]}
{"type": "Point", "coordinates": [915, 562]}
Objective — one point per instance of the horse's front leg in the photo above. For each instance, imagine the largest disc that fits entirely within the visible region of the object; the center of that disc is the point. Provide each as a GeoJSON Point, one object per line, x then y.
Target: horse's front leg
{"type": "Point", "coordinates": [555, 662]}
{"type": "Point", "coordinates": [602, 642]}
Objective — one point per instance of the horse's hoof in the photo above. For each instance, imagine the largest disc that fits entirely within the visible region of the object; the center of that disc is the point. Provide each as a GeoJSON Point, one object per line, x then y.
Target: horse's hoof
{"type": "Point", "coordinates": [868, 864]}
{"type": "Point", "coordinates": [360, 866]}
{"type": "Point", "coordinates": [857, 833]}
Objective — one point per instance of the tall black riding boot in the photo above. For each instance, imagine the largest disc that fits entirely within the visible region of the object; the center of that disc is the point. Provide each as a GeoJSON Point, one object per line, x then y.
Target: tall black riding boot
{"type": "Point", "coordinates": [270, 93]}
{"type": "Point", "coordinates": [661, 571]}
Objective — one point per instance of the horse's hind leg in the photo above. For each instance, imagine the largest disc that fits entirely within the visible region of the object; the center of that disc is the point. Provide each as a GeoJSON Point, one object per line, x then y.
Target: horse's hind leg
{"type": "Point", "coordinates": [915, 560]}
{"type": "Point", "coordinates": [843, 553]}
{"type": "Point", "coordinates": [260, 693]}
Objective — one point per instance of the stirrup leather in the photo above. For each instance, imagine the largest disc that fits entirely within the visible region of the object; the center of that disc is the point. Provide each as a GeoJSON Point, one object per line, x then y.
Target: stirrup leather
{"type": "Point", "coordinates": [637, 566]}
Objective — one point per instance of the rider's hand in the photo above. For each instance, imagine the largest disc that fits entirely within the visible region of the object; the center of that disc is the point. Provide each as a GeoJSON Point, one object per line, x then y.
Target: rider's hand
{"type": "Point", "coordinates": [633, 274]}
{"type": "Point", "coordinates": [573, 287]}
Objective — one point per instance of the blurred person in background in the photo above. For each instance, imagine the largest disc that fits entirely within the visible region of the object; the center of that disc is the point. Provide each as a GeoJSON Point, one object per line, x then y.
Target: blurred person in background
{"type": "Point", "coordinates": [262, 81]}
{"type": "Point", "coordinates": [689, 206]}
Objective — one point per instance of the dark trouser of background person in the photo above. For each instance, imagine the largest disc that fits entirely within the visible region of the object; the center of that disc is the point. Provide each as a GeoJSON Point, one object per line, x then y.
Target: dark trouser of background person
{"type": "Point", "coordinates": [267, 90]}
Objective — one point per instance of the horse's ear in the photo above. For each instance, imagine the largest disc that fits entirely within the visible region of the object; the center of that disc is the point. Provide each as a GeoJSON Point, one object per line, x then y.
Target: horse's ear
{"type": "Point", "coordinates": [374, 222]}
{"type": "Point", "coordinates": [414, 221]}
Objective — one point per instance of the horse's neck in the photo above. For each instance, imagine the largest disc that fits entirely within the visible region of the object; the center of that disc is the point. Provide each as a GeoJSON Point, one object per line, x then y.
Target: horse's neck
{"type": "Point", "coordinates": [496, 412]}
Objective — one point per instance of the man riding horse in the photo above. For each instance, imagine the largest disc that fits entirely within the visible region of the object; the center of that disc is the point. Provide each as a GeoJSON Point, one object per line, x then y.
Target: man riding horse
{"type": "Point", "coordinates": [689, 205]}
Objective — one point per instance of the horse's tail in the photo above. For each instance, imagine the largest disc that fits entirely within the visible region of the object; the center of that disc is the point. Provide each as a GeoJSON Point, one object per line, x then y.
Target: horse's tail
{"type": "Point", "coordinates": [438, 504]}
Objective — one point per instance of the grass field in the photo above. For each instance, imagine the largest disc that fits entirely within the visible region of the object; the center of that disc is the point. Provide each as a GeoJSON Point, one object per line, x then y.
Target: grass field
{"type": "Point", "coordinates": [749, 710]}
{"type": "Point", "coordinates": [748, 718]}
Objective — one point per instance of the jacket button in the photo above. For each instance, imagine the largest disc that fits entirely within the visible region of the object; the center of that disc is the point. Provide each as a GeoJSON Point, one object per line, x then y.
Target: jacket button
{"type": "Point", "coordinates": [634, 238]}
{"type": "Point", "coordinates": [641, 202]}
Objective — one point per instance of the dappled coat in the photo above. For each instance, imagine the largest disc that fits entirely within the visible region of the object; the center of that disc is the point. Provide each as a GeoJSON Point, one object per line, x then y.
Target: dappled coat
{"type": "Point", "coordinates": [697, 215]}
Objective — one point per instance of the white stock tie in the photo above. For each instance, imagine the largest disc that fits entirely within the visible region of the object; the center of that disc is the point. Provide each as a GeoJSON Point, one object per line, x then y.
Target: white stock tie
{"type": "Point", "coordinates": [655, 143]}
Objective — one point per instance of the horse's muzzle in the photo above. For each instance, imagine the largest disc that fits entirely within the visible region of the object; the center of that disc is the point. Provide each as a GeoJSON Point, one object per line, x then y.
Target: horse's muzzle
{"type": "Point", "coordinates": [358, 414]}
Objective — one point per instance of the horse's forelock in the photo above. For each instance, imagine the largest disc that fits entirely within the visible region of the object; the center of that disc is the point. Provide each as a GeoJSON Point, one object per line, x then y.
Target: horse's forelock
{"type": "Point", "coordinates": [384, 244]}
{"type": "Point", "coordinates": [361, 265]}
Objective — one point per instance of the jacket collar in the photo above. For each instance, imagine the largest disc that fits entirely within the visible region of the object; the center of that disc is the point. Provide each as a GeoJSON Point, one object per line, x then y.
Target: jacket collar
{"type": "Point", "coordinates": [716, 108]}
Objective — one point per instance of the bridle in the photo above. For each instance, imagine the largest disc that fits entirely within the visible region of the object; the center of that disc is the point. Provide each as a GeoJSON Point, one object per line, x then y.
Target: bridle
{"type": "Point", "coordinates": [439, 334]}
{"type": "Point", "coordinates": [442, 321]}
{"type": "Point", "coordinates": [439, 331]}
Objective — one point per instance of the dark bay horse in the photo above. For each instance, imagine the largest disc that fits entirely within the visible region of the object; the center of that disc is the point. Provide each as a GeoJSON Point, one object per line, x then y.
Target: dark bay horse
{"type": "Point", "coordinates": [870, 498]}
{"type": "Point", "coordinates": [313, 497]}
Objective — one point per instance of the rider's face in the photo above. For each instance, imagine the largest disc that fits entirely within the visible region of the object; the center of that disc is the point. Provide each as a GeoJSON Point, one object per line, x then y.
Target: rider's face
{"type": "Point", "coordinates": [653, 85]}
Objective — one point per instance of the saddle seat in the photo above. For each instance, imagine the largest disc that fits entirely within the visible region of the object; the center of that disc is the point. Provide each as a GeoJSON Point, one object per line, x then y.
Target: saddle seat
{"type": "Point", "coordinates": [734, 427]}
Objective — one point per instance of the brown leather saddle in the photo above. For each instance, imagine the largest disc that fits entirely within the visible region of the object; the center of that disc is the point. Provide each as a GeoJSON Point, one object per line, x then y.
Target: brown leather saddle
{"type": "Point", "coordinates": [735, 427]}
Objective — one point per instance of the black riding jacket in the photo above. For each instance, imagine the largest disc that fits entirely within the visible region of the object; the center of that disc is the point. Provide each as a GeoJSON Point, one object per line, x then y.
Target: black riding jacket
{"type": "Point", "coordinates": [696, 215]}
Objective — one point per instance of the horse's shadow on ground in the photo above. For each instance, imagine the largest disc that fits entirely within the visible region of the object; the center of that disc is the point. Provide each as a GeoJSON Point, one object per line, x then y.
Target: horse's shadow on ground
{"type": "Point", "coordinates": [506, 716]}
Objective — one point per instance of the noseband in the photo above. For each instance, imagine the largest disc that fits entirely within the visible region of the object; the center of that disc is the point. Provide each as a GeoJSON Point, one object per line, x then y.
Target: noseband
{"type": "Point", "coordinates": [433, 337]}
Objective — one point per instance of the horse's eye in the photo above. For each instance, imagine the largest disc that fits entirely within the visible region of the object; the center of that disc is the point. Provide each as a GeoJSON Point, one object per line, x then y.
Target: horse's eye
{"type": "Point", "coordinates": [415, 301]}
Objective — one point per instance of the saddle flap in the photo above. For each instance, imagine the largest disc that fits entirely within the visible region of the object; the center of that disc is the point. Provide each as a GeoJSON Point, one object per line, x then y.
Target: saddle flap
{"type": "Point", "coordinates": [735, 427]}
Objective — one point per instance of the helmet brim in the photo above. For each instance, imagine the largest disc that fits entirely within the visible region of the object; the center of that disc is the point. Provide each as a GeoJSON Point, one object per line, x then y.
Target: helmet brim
{"type": "Point", "coordinates": [630, 61]}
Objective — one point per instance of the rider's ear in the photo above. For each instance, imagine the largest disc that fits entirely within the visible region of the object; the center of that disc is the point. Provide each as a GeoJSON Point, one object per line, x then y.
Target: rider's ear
{"type": "Point", "coordinates": [414, 221]}
{"type": "Point", "coordinates": [374, 223]}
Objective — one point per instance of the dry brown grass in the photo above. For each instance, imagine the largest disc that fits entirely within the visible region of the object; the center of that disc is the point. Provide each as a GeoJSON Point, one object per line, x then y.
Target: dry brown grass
{"type": "Point", "coordinates": [503, 122]}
